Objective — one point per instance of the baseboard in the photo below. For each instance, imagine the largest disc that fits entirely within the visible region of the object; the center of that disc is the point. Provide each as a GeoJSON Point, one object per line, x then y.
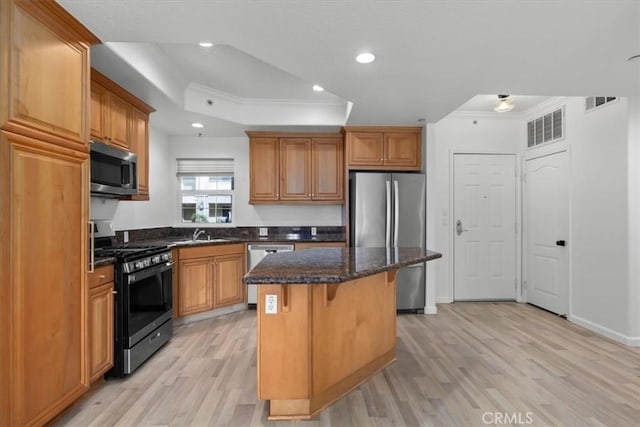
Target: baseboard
{"type": "Point", "coordinates": [209, 314]}
{"type": "Point", "coordinates": [431, 309]}
{"type": "Point", "coordinates": [443, 300]}
{"type": "Point", "coordinates": [602, 330]}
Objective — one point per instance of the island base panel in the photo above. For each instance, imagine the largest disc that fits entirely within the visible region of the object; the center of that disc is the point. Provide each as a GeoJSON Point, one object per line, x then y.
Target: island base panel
{"type": "Point", "coordinates": [324, 341]}
{"type": "Point", "coordinates": [304, 409]}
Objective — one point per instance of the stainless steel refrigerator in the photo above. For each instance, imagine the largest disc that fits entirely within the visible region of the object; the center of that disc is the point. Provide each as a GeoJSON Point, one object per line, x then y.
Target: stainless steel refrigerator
{"type": "Point", "coordinates": [388, 210]}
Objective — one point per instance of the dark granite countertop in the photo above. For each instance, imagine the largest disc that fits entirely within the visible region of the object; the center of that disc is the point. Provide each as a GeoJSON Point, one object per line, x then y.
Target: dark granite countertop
{"type": "Point", "coordinates": [333, 265]}
{"type": "Point", "coordinates": [100, 261]}
{"type": "Point", "coordinates": [187, 242]}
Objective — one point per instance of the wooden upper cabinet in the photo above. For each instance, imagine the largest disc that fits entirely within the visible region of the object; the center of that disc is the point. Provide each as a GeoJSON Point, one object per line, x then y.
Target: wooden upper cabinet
{"type": "Point", "coordinates": [139, 144]}
{"type": "Point", "coordinates": [295, 169]}
{"type": "Point", "coordinates": [264, 170]}
{"type": "Point", "coordinates": [328, 169]}
{"type": "Point", "coordinates": [98, 108]}
{"type": "Point", "coordinates": [384, 148]}
{"type": "Point", "coordinates": [366, 148]}
{"type": "Point", "coordinates": [120, 119]}
{"type": "Point", "coordinates": [402, 149]}
{"type": "Point", "coordinates": [46, 64]}
{"type": "Point", "coordinates": [119, 112]}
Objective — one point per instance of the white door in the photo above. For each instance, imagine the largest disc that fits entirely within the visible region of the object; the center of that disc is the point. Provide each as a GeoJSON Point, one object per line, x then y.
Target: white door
{"type": "Point", "coordinates": [484, 227]}
{"type": "Point", "coordinates": [546, 230]}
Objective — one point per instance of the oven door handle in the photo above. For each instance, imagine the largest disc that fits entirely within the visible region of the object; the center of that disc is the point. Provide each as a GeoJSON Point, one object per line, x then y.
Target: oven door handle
{"type": "Point", "coordinates": [137, 276]}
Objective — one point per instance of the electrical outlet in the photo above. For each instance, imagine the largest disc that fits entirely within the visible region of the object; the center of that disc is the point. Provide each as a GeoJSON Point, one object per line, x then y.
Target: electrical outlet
{"type": "Point", "coordinates": [271, 304]}
{"type": "Point", "coordinates": [264, 231]}
{"type": "Point", "coordinates": [314, 231]}
{"type": "Point", "coordinates": [125, 237]}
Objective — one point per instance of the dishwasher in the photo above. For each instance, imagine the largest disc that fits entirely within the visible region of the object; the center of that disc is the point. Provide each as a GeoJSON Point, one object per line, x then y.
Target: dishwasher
{"type": "Point", "coordinates": [255, 253]}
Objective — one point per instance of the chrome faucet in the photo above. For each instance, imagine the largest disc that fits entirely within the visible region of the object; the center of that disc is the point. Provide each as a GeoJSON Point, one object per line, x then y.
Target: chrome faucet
{"type": "Point", "coordinates": [197, 232]}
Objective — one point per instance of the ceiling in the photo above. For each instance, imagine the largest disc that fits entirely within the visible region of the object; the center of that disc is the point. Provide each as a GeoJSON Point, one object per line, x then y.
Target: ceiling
{"type": "Point", "coordinates": [433, 57]}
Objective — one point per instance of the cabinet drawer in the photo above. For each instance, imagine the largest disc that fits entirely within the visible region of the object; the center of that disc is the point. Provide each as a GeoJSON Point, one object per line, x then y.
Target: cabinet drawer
{"type": "Point", "coordinates": [101, 276]}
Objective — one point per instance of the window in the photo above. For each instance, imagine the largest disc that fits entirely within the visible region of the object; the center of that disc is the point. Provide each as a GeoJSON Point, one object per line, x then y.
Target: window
{"type": "Point", "coordinates": [545, 129]}
{"type": "Point", "coordinates": [206, 190]}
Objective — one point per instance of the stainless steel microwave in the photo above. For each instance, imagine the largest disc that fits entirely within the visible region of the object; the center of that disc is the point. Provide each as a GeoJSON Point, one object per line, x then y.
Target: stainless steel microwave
{"type": "Point", "coordinates": [114, 171]}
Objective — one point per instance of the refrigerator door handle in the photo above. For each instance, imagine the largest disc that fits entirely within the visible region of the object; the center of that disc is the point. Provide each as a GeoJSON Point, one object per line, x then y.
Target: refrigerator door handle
{"type": "Point", "coordinates": [388, 227]}
{"type": "Point", "coordinates": [396, 214]}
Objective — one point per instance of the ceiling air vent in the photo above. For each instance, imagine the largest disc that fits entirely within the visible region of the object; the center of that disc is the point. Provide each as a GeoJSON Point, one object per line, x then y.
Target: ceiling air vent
{"type": "Point", "coordinates": [547, 128]}
{"type": "Point", "coordinates": [597, 101]}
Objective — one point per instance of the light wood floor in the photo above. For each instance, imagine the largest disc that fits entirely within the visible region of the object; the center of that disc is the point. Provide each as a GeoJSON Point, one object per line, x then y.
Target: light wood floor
{"type": "Point", "coordinates": [469, 361]}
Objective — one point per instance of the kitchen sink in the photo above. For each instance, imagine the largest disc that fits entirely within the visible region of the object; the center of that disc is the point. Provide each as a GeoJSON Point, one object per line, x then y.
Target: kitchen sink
{"type": "Point", "coordinates": [198, 241]}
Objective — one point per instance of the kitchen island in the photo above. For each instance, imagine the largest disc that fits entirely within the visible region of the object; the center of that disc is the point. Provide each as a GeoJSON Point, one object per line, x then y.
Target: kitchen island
{"type": "Point", "coordinates": [326, 323]}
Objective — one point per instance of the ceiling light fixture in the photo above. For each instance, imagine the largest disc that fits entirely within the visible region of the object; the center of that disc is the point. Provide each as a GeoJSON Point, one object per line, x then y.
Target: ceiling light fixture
{"type": "Point", "coordinates": [205, 44]}
{"type": "Point", "coordinates": [318, 88]}
{"type": "Point", "coordinates": [197, 125]}
{"type": "Point", "coordinates": [366, 58]}
{"type": "Point", "coordinates": [504, 103]}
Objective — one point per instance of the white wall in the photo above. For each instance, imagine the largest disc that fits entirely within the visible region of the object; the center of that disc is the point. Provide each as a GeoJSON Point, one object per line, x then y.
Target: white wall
{"type": "Point", "coordinates": [461, 132]}
{"type": "Point", "coordinates": [633, 218]}
{"type": "Point", "coordinates": [156, 212]}
{"type": "Point", "coordinates": [599, 231]}
{"type": "Point", "coordinates": [244, 213]}
{"type": "Point", "coordinates": [604, 151]}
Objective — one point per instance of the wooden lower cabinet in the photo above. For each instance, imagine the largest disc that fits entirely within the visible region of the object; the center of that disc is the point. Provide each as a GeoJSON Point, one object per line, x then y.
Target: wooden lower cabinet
{"type": "Point", "coordinates": [210, 277]}
{"type": "Point", "coordinates": [43, 273]}
{"type": "Point", "coordinates": [323, 341]}
{"type": "Point", "coordinates": [100, 327]}
{"type": "Point", "coordinates": [227, 279]}
{"type": "Point", "coordinates": [195, 286]}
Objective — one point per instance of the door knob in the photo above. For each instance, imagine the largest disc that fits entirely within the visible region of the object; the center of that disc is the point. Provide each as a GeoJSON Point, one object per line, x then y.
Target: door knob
{"type": "Point", "coordinates": [459, 229]}
{"type": "Point", "coordinates": [560, 243]}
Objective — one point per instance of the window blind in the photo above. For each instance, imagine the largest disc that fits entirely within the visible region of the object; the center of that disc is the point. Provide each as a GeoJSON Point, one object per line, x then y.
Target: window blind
{"type": "Point", "coordinates": [204, 167]}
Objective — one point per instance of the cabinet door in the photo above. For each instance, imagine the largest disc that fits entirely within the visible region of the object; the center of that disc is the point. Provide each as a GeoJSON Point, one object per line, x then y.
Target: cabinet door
{"type": "Point", "coordinates": [328, 169]}
{"type": "Point", "coordinates": [403, 150]}
{"type": "Point", "coordinates": [100, 330]}
{"type": "Point", "coordinates": [140, 146]}
{"type": "Point", "coordinates": [98, 112]}
{"type": "Point", "coordinates": [365, 148]}
{"type": "Point", "coordinates": [47, 80]}
{"type": "Point", "coordinates": [264, 170]}
{"type": "Point", "coordinates": [228, 273]}
{"type": "Point", "coordinates": [43, 294]}
{"type": "Point", "coordinates": [196, 283]}
{"type": "Point", "coordinates": [119, 120]}
{"type": "Point", "coordinates": [295, 169]}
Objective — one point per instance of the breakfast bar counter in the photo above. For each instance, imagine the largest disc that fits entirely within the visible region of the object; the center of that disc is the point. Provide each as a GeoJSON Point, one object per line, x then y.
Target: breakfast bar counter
{"type": "Point", "coordinates": [326, 323]}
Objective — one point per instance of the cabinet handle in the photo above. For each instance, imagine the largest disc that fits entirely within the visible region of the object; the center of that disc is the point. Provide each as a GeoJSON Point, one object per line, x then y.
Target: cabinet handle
{"type": "Point", "coordinates": [102, 276]}
{"type": "Point", "coordinates": [92, 247]}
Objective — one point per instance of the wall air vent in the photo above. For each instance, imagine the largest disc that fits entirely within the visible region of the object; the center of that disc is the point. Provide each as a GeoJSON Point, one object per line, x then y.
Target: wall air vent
{"type": "Point", "coordinates": [546, 128]}
{"type": "Point", "coordinates": [597, 101]}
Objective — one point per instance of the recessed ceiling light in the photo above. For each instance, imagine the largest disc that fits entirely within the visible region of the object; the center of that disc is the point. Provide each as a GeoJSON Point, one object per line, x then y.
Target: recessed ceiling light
{"type": "Point", "coordinates": [318, 88]}
{"type": "Point", "coordinates": [197, 125]}
{"type": "Point", "coordinates": [366, 58]}
{"type": "Point", "coordinates": [205, 44]}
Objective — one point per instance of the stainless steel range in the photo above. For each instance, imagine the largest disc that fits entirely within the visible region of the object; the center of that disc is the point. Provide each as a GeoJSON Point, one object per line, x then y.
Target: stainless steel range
{"type": "Point", "coordinates": [143, 320]}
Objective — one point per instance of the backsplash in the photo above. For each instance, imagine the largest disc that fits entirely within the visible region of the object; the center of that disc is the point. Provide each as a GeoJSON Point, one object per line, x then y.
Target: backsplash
{"type": "Point", "coordinates": [326, 233]}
